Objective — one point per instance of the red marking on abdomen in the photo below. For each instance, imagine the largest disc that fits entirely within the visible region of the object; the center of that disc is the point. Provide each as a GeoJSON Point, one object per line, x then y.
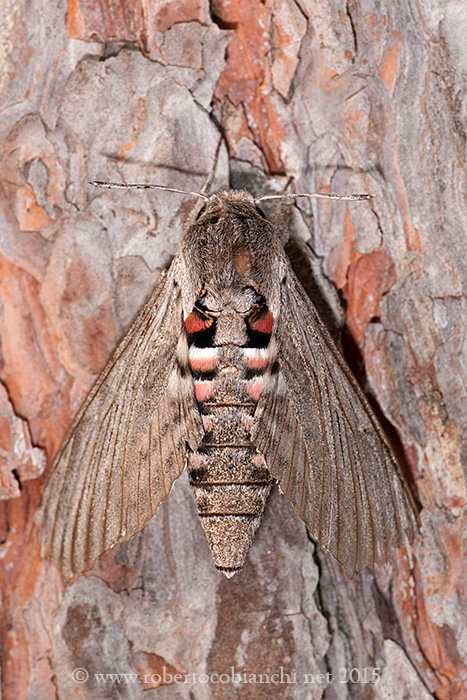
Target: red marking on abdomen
{"type": "Point", "coordinates": [264, 323]}
{"type": "Point", "coordinates": [254, 388]}
{"type": "Point", "coordinates": [203, 390]}
{"type": "Point", "coordinates": [194, 323]}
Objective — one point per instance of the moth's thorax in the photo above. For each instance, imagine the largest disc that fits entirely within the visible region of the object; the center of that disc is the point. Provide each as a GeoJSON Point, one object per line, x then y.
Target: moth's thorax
{"type": "Point", "coordinates": [229, 362]}
{"type": "Point", "coordinates": [230, 246]}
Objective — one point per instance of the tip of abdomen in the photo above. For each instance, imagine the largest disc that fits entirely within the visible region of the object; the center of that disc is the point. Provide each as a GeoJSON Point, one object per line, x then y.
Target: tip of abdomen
{"type": "Point", "coordinates": [229, 538]}
{"type": "Point", "coordinates": [229, 571]}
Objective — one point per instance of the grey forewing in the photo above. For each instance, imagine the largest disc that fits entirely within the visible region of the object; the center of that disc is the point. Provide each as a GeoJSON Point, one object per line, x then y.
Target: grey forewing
{"type": "Point", "coordinates": [325, 446]}
{"type": "Point", "coordinates": [126, 445]}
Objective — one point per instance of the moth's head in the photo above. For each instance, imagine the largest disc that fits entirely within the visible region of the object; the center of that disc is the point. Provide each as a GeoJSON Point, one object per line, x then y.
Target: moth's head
{"type": "Point", "coordinates": [228, 246]}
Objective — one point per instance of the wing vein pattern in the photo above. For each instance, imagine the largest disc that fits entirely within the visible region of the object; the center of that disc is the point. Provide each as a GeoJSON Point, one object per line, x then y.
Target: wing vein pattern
{"type": "Point", "coordinates": [329, 454]}
{"type": "Point", "coordinates": [132, 430]}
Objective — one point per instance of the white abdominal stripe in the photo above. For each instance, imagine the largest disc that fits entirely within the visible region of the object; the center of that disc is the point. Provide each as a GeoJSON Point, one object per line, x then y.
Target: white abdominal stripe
{"type": "Point", "coordinates": [202, 360]}
{"type": "Point", "coordinates": [218, 372]}
{"type": "Point", "coordinates": [207, 362]}
{"type": "Point", "coordinates": [256, 358]}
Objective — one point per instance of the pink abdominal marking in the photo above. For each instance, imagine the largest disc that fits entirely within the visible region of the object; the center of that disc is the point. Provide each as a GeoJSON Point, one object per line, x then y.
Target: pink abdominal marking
{"type": "Point", "coordinates": [202, 364]}
{"type": "Point", "coordinates": [203, 390]}
{"type": "Point", "coordinates": [257, 361]}
{"type": "Point", "coordinates": [247, 422]}
{"type": "Point", "coordinates": [254, 388]}
{"type": "Point", "coordinates": [208, 423]}
{"type": "Point", "coordinates": [195, 460]}
{"type": "Point", "coordinates": [258, 460]}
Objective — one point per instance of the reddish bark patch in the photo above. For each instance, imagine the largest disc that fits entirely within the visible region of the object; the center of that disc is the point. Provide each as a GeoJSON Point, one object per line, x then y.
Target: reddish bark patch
{"type": "Point", "coordinates": [154, 670]}
{"type": "Point", "coordinates": [389, 69]}
{"type": "Point", "coordinates": [344, 255]}
{"type": "Point", "coordinates": [246, 78]}
{"type": "Point", "coordinates": [119, 576]}
{"type": "Point", "coordinates": [18, 458]}
{"type": "Point", "coordinates": [29, 364]}
{"type": "Point", "coordinates": [433, 644]}
{"type": "Point", "coordinates": [368, 278]}
{"type": "Point", "coordinates": [123, 21]}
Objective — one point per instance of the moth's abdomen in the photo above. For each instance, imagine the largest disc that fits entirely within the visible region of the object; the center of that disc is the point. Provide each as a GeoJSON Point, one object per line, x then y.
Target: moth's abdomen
{"type": "Point", "coordinates": [229, 476]}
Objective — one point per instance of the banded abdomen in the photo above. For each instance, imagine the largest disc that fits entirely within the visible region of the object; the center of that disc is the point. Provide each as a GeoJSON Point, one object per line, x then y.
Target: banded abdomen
{"type": "Point", "coordinates": [228, 359]}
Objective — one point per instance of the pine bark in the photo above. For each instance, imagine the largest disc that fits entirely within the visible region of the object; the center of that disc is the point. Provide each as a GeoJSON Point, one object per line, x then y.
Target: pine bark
{"type": "Point", "coordinates": [345, 97]}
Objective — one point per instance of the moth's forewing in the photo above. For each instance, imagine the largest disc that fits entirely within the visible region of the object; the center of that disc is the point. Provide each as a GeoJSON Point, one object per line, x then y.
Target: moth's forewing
{"type": "Point", "coordinates": [127, 444]}
{"type": "Point", "coordinates": [324, 444]}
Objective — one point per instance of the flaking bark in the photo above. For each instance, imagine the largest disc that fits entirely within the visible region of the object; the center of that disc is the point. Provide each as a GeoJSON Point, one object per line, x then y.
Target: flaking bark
{"type": "Point", "coordinates": [346, 97]}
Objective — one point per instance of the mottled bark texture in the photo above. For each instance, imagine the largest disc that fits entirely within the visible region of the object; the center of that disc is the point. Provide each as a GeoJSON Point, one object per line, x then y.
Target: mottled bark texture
{"type": "Point", "coordinates": [364, 96]}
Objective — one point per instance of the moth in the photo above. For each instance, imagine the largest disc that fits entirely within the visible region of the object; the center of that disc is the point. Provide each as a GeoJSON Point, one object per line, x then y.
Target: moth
{"type": "Point", "coordinates": [229, 372]}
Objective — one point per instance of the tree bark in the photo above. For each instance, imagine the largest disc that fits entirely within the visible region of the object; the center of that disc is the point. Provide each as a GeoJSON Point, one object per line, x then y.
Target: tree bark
{"type": "Point", "coordinates": [344, 97]}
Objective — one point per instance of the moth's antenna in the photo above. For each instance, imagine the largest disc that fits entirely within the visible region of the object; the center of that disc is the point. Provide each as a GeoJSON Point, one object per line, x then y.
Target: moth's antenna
{"type": "Point", "coordinates": [318, 195]}
{"type": "Point", "coordinates": [210, 177]}
{"type": "Point", "coordinates": [279, 212]}
{"type": "Point", "coordinates": [123, 186]}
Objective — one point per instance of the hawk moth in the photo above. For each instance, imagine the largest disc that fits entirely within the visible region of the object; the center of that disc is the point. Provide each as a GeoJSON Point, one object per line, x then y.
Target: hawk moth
{"type": "Point", "coordinates": [227, 370]}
